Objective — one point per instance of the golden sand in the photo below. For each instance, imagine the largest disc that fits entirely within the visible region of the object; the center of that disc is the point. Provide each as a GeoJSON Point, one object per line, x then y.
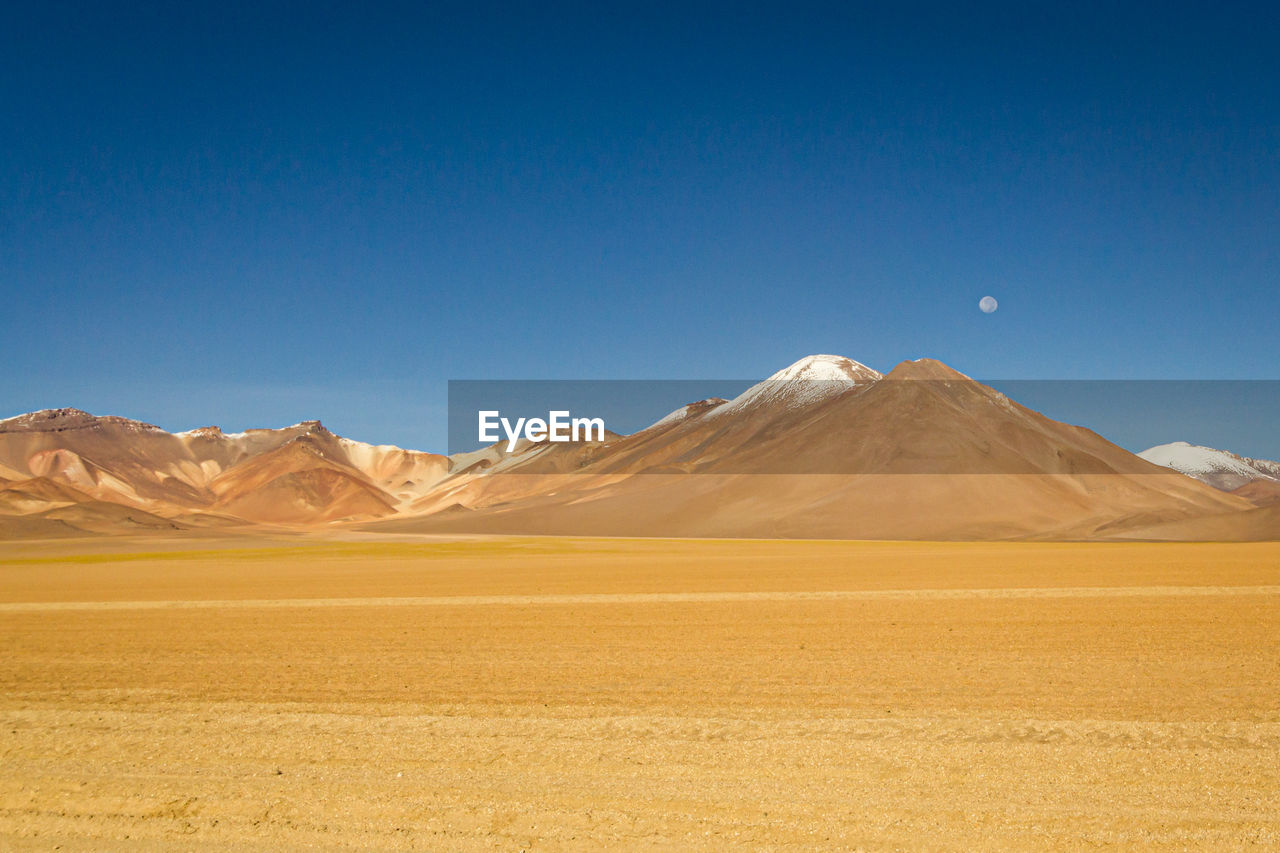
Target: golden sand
{"type": "Point", "coordinates": [639, 694]}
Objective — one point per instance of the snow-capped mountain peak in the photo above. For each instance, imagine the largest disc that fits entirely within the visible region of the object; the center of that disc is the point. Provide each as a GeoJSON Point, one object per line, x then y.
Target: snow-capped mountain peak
{"type": "Point", "coordinates": [810, 380]}
{"type": "Point", "coordinates": [1219, 468]}
{"type": "Point", "coordinates": [826, 368]}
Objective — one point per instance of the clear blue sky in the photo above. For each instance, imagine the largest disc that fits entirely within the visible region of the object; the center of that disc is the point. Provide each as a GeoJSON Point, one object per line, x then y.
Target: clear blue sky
{"type": "Point", "coordinates": [253, 214]}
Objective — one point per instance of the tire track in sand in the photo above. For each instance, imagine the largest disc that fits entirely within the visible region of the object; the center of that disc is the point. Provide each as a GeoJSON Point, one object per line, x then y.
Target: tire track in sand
{"type": "Point", "coordinates": [645, 598]}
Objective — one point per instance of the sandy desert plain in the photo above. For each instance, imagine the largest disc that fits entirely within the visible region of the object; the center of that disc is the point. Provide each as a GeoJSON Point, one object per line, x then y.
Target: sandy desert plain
{"type": "Point", "coordinates": [555, 693]}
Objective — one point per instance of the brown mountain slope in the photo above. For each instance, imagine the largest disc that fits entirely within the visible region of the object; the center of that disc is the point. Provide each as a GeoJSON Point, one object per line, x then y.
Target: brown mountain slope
{"type": "Point", "coordinates": [35, 527]}
{"type": "Point", "coordinates": [304, 481]}
{"type": "Point", "coordinates": [871, 506]}
{"type": "Point", "coordinates": [36, 495]}
{"type": "Point", "coordinates": [1254, 525]}
{"type": "Point", "coordinates": [106, 517]}
{"type": "Point", "coordinates": [1259, 492]}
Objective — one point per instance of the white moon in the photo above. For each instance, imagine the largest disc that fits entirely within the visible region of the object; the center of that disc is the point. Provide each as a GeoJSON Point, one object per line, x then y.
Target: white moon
{"type": "Point", "coordinates": [988, 304]}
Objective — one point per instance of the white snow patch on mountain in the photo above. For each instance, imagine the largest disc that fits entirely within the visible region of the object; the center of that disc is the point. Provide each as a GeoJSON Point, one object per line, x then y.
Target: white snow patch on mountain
{"type": "Point", "coordinates": [810, 380]}
{"type": "Point", "coordinates": [1219, 468]}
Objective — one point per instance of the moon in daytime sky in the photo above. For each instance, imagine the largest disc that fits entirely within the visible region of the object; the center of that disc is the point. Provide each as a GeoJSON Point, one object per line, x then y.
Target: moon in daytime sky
{"type": "Point", "coordinates": [988, 304]}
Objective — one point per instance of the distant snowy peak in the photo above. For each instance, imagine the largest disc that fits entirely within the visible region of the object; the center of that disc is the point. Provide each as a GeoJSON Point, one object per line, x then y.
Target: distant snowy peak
{"type": "Point", "coordinates": [810, 380]}
{"type": "Point", "coordinates": [826, 368]}
{"type": "Point", "coordinates": [1219, 468]}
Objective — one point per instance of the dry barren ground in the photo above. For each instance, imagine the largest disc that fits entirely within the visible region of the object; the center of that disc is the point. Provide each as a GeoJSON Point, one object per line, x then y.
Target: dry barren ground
{"type": "Point", "coordinates": [575, 694]}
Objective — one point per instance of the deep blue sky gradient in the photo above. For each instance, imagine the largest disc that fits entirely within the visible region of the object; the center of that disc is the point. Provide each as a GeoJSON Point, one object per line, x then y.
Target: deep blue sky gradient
{"type": "Point", "coordinates": [254, 214]}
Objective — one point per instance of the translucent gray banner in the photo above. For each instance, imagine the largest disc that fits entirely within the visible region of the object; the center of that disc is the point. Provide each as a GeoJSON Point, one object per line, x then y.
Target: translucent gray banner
{"type": "Point", "coordinates": [908, 426]}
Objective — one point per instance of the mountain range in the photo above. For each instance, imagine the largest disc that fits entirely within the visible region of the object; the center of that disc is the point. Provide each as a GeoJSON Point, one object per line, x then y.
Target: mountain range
{"type": "Point", "coordinates": [824, 448]}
